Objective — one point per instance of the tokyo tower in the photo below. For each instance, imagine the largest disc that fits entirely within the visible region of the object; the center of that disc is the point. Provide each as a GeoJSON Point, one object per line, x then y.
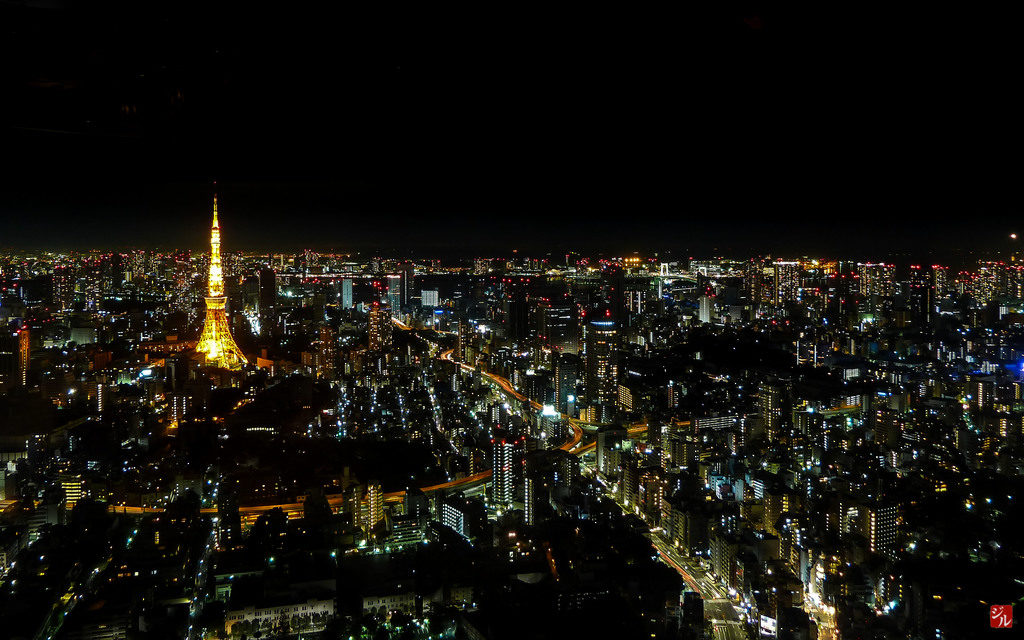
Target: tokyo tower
{"type": "Point", "coordinates": [216, 341]}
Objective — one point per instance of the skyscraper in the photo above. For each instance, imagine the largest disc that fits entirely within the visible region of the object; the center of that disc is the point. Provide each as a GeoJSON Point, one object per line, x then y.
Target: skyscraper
{"type": "Point", "coordinates": [216, 341]}
{"type": "Point", "coordinates": [375, 502]}
{"type": "Point", "coordinates": [567, 368]}
{"type": "Point", "coordinates": [9, 374]}
{"type": "Point", "coordinates": [327, 352]}
{"type": "Point", "coordinates": [877, 279]}
{"type": "Point", "coordinates": [787, 282]}
{"type": "Point", "coordinates": [266, 298]}
{"type": "Point", "coordinates": [182, 282]}
{"type": "Point", "coordinates": [346, 293]}
{"type": "Point", "coordinates": [559, 325]}
{"type": "Point", "coordinates": [379, 327]}
{"type": "Point", "coordinates": [407, 272]}
{"type": "Point", "coordinates": [599, 357]}
{"type": "Point", "coordinates": [24, 355]}
{"type": "Point", "coordinates": [502, 458]}
{"type": "Point", "coordinates": [921, 293]}
{"type": "Point", "coordinates": [64, 280]}
{"type": "Point", "coordinates": [707, 305]}
{"type": "Point", "coordinates": [465, 340]}
{"type": "Point", "coordinates": [395, 294]}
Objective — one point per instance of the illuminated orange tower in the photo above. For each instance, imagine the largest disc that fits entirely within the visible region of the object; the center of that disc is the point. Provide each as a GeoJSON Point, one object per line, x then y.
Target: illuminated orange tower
{"type": "Point", "coordinates": [216, 341]}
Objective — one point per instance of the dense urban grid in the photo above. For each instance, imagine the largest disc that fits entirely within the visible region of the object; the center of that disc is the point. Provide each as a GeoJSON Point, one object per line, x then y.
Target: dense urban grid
{"type": "Point", "coordinates": [223, 444]}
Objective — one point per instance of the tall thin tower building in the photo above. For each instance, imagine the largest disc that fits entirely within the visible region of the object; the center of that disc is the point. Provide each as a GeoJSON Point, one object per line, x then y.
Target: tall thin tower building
{"type": "Point", "coordinates": [216, 341]}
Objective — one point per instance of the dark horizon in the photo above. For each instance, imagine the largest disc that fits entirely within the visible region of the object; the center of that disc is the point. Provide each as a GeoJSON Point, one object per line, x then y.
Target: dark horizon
{"type": "Point", "coordinates": [743, 128]}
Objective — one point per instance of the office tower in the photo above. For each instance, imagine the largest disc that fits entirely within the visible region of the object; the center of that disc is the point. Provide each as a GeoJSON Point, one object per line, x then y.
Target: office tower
{"type": "Point", "coordinates": [266, 299]}
{"type": "Point", "coordinates": [407, 274]}
{"type": "Point", "coordinates": [609, 449]}
{"type": "Point", "coordinates": [503, 455]}
{"type": "Point", "coordinates": [786, 281]}
{"type": "Point", "coordinates": [567, 370]}
{"type": "Point", "coordinates": [73, 487]}
{"type": "Point", "coordinates": [615, 294]}
{"type": "Point", "coordinates": [515, 309]}
{"type": "Point", "coordinates": [379, 327]}
{"type": "Point", "coordinates": [346, 294]}
{"type": "Point", "coordinates": [430, 298]}
{"type": "Point", "coordinates": [559, 326]}
{"type": "Point", "coordinates": [394, 289]}
{"type": "Point", "coordinates": [216, 341]}
{"type": "Point", "coordinates": [600, 343]}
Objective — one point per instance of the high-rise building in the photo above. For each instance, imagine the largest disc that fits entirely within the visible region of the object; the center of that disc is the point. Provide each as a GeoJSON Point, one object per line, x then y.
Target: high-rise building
{"type": "Point", "coordinates": [395, 294]}
{"type": "Point", "coordinates": [407, 273]}
{"type": "Point", "coordinates": [559, 326]}
{"type": "Point", "coordinates": [567, 370]}
{"type": "Point", "coordinates": [429, 298]}
{"type": "Point", "coordinates": [754, 280]}
{"type": "Point", "coordinates": [515, 309]}
{"type": "Point", "coordinates": [266, 299]}
{"type": "Point", "coordinates": [883, 528]}
{"type": "Point", "coordinates": [178, 403]}
{"type": "Point", "coordinates": [773, 398]}
{"type": "Point", "coordinates": [609, 450]}
{"type": "Point", "coordinates": [530, 485]}
{"type": "Point", "coordinates": [379, 327]}
{"type": "Point", "coordinates": [707, 305]}
{"type": "Point", "coordinates": [182, 283]}
{"type": "Point", "coordinates": [216, 341]}
{"type": "Point", "coordinates": [64, 280]}
{"type": "Point", "coordinates": [9, 359]}
{"type": "Point", "coordinates": [503, 457]}
{"type": "Point", "coordinates": [463, 515]}
{"type": "Point", "coordinates": [465, 340]}
{"type": "Point", "coordinates": [787, 282]}
{"type": "Point", "coordinates": [940, 280]}
{"type": "Point", "coordinates": [327, 352]}
{"type": "Point", "coordinates": [877, 279]}
{"type": "Point", "coordinates": [73, 488]}
{"type": "Point", "coordinates": [375, 504]}
{"type": "Point", "coordinates": [921, 293]}
{"type": "Point", "coordinates": [101, 393]}
{"type": "Point", "coordinates": [24, 355]}
{"type": "Point", "coordinates": [346, 294]}
{"type": "Point", "coordinates": [600, 343]}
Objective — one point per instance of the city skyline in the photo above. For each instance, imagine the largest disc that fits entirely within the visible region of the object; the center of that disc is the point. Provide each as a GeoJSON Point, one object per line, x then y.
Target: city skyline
{"type": "Point", "coordinates": [695, 322]}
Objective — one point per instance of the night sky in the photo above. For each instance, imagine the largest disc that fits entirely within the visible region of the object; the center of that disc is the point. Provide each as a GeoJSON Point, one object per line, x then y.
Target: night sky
{"type": "Point", "coordinates": [733, 128]}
